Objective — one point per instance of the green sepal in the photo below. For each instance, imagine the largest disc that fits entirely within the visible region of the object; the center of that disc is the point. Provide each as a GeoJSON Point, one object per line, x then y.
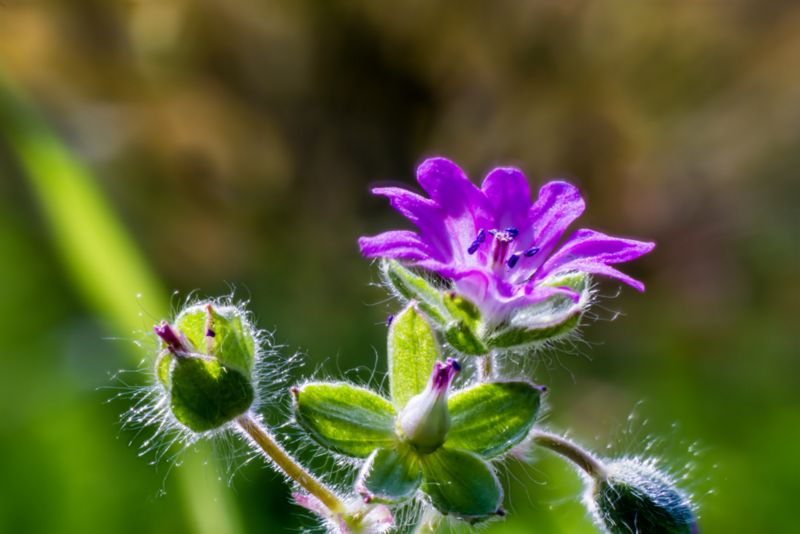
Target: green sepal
{"type": "Point", "coordinates": [461, 484]}
{"type": "Point", "coordinates": [415, 288]}
{"type": "Point", "coordinates": [535, 332]}
{"type": "Point", "coordinates": [462, 309]}
{"type": "Point", "coordinates": [576, 281]}
{"type": "Point", "coordinates": [344, 418]}
{"type": "Point", "coordinates": [544, 321]}
{"type": "Point", "coordinates": [464, 339]}
{"type": "Point", "coordinates": [163, 364]}
{"type": "Point", "coordinates": [490, 418]}
{"type": "Point", "coordinates": [390, 476]}
{"type": "Point", "coordinates": [205, 394]}
{"type": "Point", "coordinates": [412, 353]}
{"type": "Point", "coordinates": [233, 341]}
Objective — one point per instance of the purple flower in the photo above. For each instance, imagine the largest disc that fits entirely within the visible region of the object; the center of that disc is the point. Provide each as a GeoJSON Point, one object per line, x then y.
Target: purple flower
{"type": "Point", "coordinates": [496, 246]}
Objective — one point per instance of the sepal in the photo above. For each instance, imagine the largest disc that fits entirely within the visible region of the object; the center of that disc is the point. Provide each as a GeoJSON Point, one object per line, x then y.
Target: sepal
{"type": "Point", "coordinates": [461, 484]}
{"type": "Point", "coordinates": [344, 418]}
{"type": "Point", "coordinates": [389, 476]}
{"type": "Point", "coordinates": [492, 417]}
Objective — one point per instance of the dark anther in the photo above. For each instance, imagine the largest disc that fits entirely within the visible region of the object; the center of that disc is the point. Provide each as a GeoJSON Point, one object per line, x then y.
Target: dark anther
{"type": "Point", "coordinates": [480, 238]}
{"type": "Point", "coordinates": [512, 261]}
{"type": "Point", "coordinates": [531, 251]}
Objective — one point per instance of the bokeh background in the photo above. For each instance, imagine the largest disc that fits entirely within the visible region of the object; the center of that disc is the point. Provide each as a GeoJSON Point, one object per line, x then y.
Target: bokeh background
{"type": "Point", "coordinates": [152, 146]}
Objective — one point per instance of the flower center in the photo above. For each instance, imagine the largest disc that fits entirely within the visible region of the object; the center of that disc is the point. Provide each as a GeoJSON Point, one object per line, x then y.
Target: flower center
{"type": "Point", "coordinates": [501, 244]}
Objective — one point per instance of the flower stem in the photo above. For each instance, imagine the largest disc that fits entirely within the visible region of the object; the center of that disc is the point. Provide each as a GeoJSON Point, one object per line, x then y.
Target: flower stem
{"type": "Point", "coordinates": [262, 437]}
{"type": "Point", "coordinates": [575, 453]}
{"type": "Point", "coordinates": [485, 367]}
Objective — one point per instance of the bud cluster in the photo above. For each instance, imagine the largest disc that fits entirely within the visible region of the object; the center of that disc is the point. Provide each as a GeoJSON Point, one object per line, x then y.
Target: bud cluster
{"type": "Point", "coordinates": [456, 406]}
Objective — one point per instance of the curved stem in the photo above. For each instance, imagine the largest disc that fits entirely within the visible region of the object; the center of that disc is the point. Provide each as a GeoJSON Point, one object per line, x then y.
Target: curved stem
{"type": "Point", "coordinates": [290, 467]}
{"type": "Point", "coordinates": [575, 453]}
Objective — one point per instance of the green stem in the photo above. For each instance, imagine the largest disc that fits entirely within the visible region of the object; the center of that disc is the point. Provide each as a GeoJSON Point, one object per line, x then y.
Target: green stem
{"type": "Point", "coordinates": [290, 467]}
{"type": "Point", "coordinates": [573, 452]}
{"type": "Point", "coordinates": [486, 367]}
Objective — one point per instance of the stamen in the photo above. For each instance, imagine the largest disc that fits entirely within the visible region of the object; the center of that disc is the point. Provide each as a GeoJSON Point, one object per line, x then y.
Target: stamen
{"type": "Point", "coordinates": [512, 232]}
{"type": "Point", "coordinates": [531, 251]}
{"type": "Point", "coordinates": [480, 238]}
{"type": "Point", "coordinates": [512, 261]}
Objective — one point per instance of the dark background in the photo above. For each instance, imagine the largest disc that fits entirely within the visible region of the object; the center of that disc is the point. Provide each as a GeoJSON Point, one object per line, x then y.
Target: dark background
{"type": "Point", "coordinates": [231, 145]}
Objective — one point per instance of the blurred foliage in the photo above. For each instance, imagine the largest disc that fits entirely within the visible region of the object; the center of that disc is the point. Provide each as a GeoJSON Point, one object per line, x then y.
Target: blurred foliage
{"type": "Point", "coordinates": [236, 141]}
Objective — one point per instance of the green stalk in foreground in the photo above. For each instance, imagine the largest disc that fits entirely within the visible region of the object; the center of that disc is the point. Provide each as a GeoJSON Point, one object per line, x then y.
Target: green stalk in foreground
{"type": "Point", "coordinates": [103, 264]}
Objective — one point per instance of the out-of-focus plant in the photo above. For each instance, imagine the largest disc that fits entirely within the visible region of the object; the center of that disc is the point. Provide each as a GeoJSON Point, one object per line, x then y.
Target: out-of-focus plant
{"type": "Point", "coordinates": [101, 259]}
{"type": "Point", "coordinates": [483, 279]}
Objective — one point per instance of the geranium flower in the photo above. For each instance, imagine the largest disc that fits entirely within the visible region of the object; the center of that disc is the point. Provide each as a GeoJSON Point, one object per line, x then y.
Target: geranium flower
{"type": "Point", "coordinates": [498, 247]}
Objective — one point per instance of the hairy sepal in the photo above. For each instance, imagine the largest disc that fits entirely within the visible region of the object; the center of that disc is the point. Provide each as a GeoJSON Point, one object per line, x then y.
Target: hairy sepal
{"type": "Point", "coordinates": [492, 417]}
{"type": "Point", "coordinates": [390, 475]}
{"type": "Point", "coordinates": [344, 418]}
{"type": "Point", "coordinates": [546, 321]}
{"type": "Point", "coordinates": [462, 484]}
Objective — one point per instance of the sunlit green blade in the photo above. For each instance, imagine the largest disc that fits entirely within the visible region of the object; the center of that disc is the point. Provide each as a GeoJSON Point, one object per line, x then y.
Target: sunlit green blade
{"type": "Point", "coordinates": [343, 418]}
{"type": "Point", "coordinates": [412, 353]}
{"type": "Point", "coordinates": [390, 476]}
{"type": "Point", "coordinates": [490, 418]}
{"type": "Point", "coordinates": [462, 484]}
{"type": "Point", "coordinates": [102, 261]}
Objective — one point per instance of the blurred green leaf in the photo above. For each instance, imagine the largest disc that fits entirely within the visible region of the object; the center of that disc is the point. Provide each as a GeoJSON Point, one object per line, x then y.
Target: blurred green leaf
{"type": "Point", "coordinates": [103, 261]}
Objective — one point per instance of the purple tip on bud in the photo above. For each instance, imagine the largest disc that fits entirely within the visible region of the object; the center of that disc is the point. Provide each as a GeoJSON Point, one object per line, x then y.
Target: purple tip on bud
{"type": "Point", "coordinates": [443, 374]}
{"type": "Point", "coordinates": [170, 338]}
{"type": "Point", "coordinates": [512, 260]}
{"type": "Point", "coordinates": [210, 333]}
{"type": "Point", "coordinates": [531, 251]}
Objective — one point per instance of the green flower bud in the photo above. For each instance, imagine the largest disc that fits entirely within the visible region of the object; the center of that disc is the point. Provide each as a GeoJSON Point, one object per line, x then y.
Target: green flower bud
{"type": "Point", "coordinates": [425, 420]}
{"type": "Point", "coordinates": [635, 497]}
{"type": "Point", "coordinates": [206, 365]}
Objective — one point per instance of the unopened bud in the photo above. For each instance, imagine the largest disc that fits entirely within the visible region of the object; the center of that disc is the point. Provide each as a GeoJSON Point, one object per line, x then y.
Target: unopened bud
{"type": "Point", "coordinates": [425, 420]}
{"type": "Point", "coordinates": [635, 496]}
{"type": "Point", "coordinates": [206, 365]}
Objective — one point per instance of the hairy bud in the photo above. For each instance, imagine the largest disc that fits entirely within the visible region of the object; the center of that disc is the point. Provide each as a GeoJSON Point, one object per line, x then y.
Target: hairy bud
{"type": "Point", "coordinates": [636, 497]}
{"type": "Point", "coordinates": [425, 420]}
{"type": "Point", "coordinates": [206, 365]}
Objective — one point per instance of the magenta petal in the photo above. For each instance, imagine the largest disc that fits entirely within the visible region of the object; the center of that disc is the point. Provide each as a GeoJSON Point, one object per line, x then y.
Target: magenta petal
{"type": "Point", "coordinates": [424, 213]}
{"type": "Point", "coordinates": [401, 244]}
{"type": "Point", "coordinates": [447, 184]}
{"type": "Point", "coordinates": [592, 252]}
{"type": "Point", "coordinates": [558, 205]}
{"type": "Point", "coordinates": [509, 195]}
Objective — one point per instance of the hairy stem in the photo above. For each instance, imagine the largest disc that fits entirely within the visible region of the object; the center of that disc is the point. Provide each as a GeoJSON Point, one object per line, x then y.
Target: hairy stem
{"type": "Point", "coordinates": [485, 367]}
{"type": "Point", "coordinates": [262, 437]}
{"type": "Point", "coordinates": [572, 451]}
